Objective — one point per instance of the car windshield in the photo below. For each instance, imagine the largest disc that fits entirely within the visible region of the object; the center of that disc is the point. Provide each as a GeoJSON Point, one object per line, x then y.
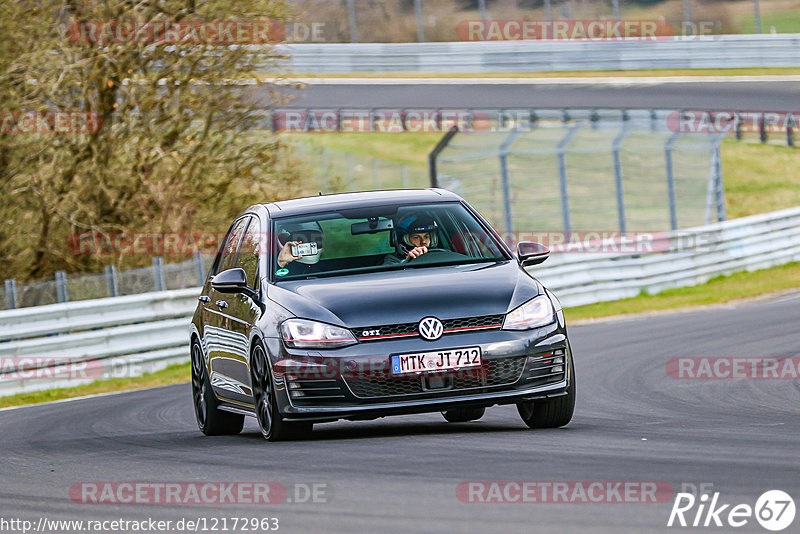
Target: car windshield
{"type": "Point", "coordinates": [381, 238]}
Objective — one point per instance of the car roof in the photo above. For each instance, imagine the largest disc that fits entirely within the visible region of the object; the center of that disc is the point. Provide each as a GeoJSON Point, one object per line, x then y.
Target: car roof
{"type": "Point", "coordinates": [365, 199]}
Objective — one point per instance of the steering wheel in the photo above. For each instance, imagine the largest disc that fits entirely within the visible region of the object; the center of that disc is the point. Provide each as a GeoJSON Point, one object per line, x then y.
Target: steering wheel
{"type": "Point", "coordinates": [431, 255]}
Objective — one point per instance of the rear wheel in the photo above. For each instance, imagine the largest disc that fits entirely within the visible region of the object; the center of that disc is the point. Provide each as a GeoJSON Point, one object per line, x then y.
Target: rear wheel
{"type": "Point", "coordinates": [551, 413]}
{"type": "Point", "coordinates": [462, 415]}
{"type": "Point", "coordinates": [210, 419]}
{"type": "Point", "coordinates": [273, 427]}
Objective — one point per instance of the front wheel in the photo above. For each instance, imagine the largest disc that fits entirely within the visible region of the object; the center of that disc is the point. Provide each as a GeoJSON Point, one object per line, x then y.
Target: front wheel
{"type": "Point", "coordinates": [272, 425]}
{"type": "Point", "coordinates": [210, 419]}
{"type": "Point", "coordinates": [551, 413]}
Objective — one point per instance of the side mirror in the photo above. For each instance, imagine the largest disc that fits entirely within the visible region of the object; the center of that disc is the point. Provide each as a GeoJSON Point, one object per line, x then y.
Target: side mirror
{"type": "Point", "coordinates": [530, 253]}
{"type": "Point", "coordinates": [231, 281]}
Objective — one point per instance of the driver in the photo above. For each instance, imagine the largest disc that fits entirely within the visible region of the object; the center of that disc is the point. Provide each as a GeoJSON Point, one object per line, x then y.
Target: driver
{"type": "Point", "coordinates": [294, 234]}
{"type": "Point", "coordinates": [414, 234]}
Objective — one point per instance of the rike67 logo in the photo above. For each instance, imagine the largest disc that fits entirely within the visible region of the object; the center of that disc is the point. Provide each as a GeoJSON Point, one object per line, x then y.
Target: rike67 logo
{"type": "Point", "coordinates": [774, 510]}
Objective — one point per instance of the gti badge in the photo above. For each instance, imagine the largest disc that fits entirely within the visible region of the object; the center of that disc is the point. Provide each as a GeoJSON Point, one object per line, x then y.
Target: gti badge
{"type": "Point", "coordinates": [431, 328]}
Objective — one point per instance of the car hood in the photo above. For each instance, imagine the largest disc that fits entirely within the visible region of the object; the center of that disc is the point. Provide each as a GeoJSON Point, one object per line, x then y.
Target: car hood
{"type": "Point", "coordinates": [406, 296]}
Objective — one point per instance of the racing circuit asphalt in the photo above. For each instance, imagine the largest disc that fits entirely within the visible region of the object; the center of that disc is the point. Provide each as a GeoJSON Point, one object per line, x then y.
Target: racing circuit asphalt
{"type": "Point", "coordinates": [746, 94]}
{"type": "Point", "coordinates": [400, 474]}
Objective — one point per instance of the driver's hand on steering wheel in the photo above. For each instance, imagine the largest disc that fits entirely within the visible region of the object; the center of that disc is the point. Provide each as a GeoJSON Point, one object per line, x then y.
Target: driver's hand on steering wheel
{"type": "Point", "coordinates": [416, 252]}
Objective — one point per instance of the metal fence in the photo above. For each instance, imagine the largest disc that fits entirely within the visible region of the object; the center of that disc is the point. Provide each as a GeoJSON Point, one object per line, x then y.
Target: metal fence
{"type": "Point", "coordinates": [586, 170]}
{"type": "Point", "coordinates": [700, 52]}
{"type": "Point", "coordinates": [73, 343]}
{"type": "Point", "coordinates": [75, 287]}
{"type": "Point", "coordinates": [335, 171]}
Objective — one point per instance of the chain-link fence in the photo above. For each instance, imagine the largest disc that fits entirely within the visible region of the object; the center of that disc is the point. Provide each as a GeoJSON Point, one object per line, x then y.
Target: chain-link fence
{"type": "Point", "coordinates": [586, 170]}
{"type": "Point", "coordinates": [334, 171]}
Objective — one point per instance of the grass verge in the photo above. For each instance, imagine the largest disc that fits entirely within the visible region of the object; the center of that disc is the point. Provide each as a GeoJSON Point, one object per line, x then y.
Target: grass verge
{"type": "Point", "coordinates": [174, 374]}
{"type": "Point", "coordinates": [759, 178]}
{"type": "Point", "coordinates": [404, 148]}
{"type": "Point", "coordinates": [719, 290]}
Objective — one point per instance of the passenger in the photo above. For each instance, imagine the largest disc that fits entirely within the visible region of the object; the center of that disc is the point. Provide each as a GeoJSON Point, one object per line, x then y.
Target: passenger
{"type": "Point", "coordinates": [295, 234]}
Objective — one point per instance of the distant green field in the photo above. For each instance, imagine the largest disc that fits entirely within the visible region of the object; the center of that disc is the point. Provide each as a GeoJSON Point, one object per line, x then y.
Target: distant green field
{"type": "Point", "coordinates": [782, 21]}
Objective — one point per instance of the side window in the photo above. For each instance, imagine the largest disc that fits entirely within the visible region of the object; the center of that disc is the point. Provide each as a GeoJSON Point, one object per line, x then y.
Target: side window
{"type": "Point", "coordinates": [227, 259]}
{"type": "Point", "coordinates": [248, 253]}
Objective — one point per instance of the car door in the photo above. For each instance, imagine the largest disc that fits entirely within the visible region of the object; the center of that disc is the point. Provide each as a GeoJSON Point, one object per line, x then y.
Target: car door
{"type": "Point", "coordinates": [244, 311]}
{"type": "Point", "coordinates": [217, 319]}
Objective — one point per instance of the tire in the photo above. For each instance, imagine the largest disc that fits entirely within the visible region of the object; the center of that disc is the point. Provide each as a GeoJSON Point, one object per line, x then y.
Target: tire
{"type": "Point", "coordinates": [210, 419]}
{"type": "Point", "coordinates": [272, 425]}
{"type": "Point", "coordinates": [462, 415]}
{"type": "Point", "coordinates": [551, 413]}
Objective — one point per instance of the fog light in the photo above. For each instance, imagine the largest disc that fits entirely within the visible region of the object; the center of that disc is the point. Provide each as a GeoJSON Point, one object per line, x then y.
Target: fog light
{"type": "Point", "coordinates": [294, 393]}
{"type": "Point", "coordinates": [558, 369]}
{"type": "Point", "coordinates": [294, 385]}
{"type": "Point", "coordinates": [559, 360]}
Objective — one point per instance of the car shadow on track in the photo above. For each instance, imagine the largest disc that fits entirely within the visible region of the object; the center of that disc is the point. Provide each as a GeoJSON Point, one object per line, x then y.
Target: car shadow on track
{"type": "Point", "coordinates": [371, 430]}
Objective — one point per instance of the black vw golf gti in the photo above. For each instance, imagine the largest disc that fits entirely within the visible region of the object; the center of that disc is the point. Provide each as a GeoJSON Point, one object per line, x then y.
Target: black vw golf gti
{"type": "Point", "coordinates": [363, 305]}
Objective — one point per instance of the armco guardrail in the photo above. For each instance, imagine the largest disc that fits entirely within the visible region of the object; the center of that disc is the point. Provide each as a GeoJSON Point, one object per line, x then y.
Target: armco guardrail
{"type": "Point", "coordinates": [140, 333]}
{"type": "Point", "coordinates": [62, 345]}
{"type": "Point", "coordinates": [693, 52]}
{"type": "Point", "coordinates": [744, 244]}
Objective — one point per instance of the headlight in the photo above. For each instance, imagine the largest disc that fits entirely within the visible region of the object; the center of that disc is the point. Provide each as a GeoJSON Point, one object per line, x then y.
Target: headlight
{"type": "Point", "coordinates": [536, 312]}
{"type": "Point", "coordinates": [305, 334]}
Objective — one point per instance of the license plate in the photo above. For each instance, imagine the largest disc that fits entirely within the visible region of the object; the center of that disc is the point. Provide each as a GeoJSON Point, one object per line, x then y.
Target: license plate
{"type": "Point", "coordinates": [439, 360]}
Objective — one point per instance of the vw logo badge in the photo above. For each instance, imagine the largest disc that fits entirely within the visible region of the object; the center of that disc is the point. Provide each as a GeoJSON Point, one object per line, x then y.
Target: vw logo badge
{"type": "Point", "coordinates": [431, 328]}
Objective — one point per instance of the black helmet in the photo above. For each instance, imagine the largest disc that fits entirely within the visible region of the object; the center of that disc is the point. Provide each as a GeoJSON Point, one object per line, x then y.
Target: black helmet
{"type": "Point", "coordinates": [412, 224]}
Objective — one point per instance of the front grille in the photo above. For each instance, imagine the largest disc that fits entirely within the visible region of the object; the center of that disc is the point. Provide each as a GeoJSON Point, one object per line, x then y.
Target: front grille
{"type": "Point", "coordinates": [470, 323]}
{"type": "Point", "coordinates": [499, 372]}
{"type": "Point", "coordinates": [384, 387]}
{"type": "Point", "coordinates": [380, 333]}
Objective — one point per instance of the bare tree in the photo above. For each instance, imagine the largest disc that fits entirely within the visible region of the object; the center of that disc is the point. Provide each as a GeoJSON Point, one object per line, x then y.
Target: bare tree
{"type": "Point", "coordinates": [158, 137]}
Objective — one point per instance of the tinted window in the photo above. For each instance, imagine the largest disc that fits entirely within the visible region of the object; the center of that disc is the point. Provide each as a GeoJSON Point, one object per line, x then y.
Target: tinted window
{"type": "Point", "coordinates": [227, 259]}
{"type": "Point", "coordinates": [248, 252]}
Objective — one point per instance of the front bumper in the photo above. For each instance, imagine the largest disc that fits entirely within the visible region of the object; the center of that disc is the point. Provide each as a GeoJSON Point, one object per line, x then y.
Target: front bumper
{"type": "Point", "coordinates": [311, 386]}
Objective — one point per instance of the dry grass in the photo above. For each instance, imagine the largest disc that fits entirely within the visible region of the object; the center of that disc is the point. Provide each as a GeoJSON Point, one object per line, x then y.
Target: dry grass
{"type": "Point", "coordinates": [718, 290]}
{"type": "Point", "coordinates": [174, 374]}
